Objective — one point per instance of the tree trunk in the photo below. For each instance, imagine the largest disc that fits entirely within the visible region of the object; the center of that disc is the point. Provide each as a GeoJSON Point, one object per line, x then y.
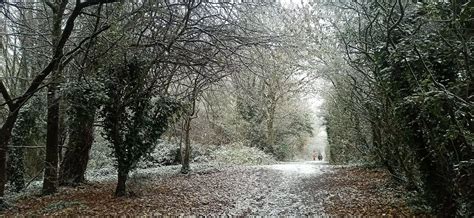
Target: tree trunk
{"type": "Point", "coordinates": [63, 131]}
{"type": "Point", "coordinates": [121, 189]}
{"type": "Point", "coordinates": [5, 135]}
{"type": "Point", "coordinates": [178, 157]}
{"type": "Point", "coordinates": [81, 137]}
{"type": "Point", "coordinates": [186, 152]}
{"type": "Point", "coordinates": [270, 128]}
{"type": "Point", "coordinates": [50, 179]}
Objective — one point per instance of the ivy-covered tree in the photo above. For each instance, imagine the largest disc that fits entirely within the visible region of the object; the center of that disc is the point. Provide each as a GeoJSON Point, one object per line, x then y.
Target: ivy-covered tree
{"type": "Point", "coordinates": [411, 82]}
{"type": "Point", "coordinates": [83, 98]}
{"type": "Point", "coordinates": [133, 118]}
{"type": "Point", "coordinates": [27, 134]}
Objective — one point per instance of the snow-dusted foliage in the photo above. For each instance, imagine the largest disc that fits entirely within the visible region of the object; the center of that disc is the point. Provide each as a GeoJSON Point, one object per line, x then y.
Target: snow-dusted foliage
{"type": "Point", "coordinates": [102, 166]}
{"type": "Point", "coordinates": [100, 155]}
{"type": "Point", "coordinates": [239, 154]}
{"type": "Point", "coordinates": [406, 100]}
{"type": "Point", "coordinates": [201, 153]}
{"type": "Point", "coordinates": [165, 153]}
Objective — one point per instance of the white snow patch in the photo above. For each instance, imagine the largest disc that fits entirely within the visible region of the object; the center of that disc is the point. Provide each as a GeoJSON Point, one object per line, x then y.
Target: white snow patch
{"type": "Point", "coordinates": [309, 167]}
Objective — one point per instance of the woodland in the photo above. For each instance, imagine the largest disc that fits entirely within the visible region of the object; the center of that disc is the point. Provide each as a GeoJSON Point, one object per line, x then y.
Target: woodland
{"type": "Point", "coordinates": [118, 88]}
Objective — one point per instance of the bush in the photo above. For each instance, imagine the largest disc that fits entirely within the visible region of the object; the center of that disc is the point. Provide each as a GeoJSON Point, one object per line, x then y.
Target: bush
{"type": "Point", "coordinates": [101, 164]}
{"type": "Point", "coordinates": [202, 153]}
{"type": "Point", "coordinates": [165, 153]}
{"type": "Point", "coordinates": [241, 155]}
{"type": "Point", "coordinates": [100, 154]}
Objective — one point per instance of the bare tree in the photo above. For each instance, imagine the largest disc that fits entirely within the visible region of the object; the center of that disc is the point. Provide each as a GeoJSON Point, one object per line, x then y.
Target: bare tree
{"type": "Point", "coordinates": [14, 103]}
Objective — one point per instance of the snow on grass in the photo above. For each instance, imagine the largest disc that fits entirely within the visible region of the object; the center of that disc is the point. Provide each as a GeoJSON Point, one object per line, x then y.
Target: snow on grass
{"type": "Point", "coordinates": [207, 159]}
{"type": "Point", "coordinates": [110, 173]}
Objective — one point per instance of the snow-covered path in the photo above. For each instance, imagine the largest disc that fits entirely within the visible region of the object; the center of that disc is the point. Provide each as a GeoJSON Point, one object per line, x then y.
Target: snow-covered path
{"type": "Point", "coordinates": [301, 168]}
{"type": "Point", "coordinates": [284, 189]}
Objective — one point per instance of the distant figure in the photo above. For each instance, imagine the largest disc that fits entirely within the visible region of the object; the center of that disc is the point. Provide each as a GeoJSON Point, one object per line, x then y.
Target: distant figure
{"type": "Point", "coordinates": [314, 155]}
{"type": "Point", "coordinates": [320, 157]}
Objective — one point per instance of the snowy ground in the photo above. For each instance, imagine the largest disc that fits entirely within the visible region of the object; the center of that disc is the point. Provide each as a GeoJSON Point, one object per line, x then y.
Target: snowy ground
{"type": "Point", "coordinates": [283, 189]}
{"type": "Point", "coordinates": [309, 167]}
{"type": "Point", "coordinates": [295, 189]}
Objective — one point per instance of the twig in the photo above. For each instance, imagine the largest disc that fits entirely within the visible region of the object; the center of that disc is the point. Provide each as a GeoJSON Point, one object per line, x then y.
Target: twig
{"type": "Point", "coordinates": [33, 179]}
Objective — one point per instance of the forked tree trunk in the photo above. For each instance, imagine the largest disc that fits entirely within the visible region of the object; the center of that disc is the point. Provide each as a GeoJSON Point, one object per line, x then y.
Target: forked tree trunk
{"type": "Point", "coordinates": [81, 137]}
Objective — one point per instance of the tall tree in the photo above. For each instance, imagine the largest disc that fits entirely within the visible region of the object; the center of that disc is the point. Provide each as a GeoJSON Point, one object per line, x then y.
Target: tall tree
{"type": "Point", "coordinates": [82, 97]}
{"type": "Point", "coordinates": [15, 103]}
{"type": "Point", "coordinates": [133, 121]}
{"type": "Point", "coordinates": [52, 137]}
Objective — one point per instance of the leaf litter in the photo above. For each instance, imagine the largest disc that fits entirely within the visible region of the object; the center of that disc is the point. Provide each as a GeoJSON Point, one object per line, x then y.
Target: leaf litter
{"type": "Point", "coordinates": [304, 188]}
